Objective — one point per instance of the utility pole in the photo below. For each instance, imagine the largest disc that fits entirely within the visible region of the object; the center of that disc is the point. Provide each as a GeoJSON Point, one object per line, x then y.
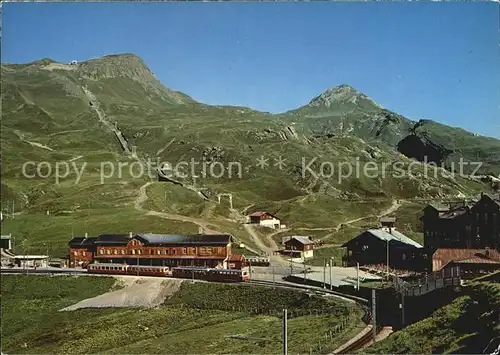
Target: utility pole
{"type": "Point", "coordinates": [285, 337]}
{"type": "Point", "coordinates": [324, 273]}
{"type": "Point", "coordinates": [192, 270]}
{"type": "Point", "coordinates": [387, 260]}
{"type": "Point", "coordinates": [357, 276]}
{"type": "Point", "coordinates": [374, 316]}
{"type": "Point", "coordinates": [402, 309]}
{"type": "Point", "coordinates": [331, 286]}
{"type": "Point", "coordinates": [305, 271]}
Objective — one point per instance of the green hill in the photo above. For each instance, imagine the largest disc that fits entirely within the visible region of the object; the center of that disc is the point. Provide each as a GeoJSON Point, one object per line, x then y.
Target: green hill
{"type": "Point", "coordinates": [112, 111]}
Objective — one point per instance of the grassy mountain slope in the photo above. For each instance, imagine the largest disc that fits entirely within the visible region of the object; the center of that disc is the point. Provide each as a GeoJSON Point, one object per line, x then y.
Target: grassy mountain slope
{"type": "Point", "coordinates": [112, 110]}
{"type": "Point", "coordinates": [466, 326]}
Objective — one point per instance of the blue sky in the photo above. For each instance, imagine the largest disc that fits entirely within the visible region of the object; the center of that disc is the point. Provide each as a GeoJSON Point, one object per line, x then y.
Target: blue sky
{"type": "Point", "coordinates": [431, 60]}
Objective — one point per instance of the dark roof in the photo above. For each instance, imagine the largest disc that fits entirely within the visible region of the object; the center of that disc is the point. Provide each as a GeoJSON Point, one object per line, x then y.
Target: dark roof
{"type": "Point", "coordinates": [113, 239]}
{"type": "Point", "coordinates": [260, 213]}
{"type": "Point", "coordinates": [387, 219]}
{"type": "Point", "coordinates": [393, 236]}
{"type": "Point", "coordinates": [257, 214]}
{"type": "Point", "coordinates": [300, 239]}
{"type": "Point", "coordinates": [82, 242]}
{"type": "Point", "coordinates": [150, 238]}
{"type": "Point", "coordinates": [154, 239]}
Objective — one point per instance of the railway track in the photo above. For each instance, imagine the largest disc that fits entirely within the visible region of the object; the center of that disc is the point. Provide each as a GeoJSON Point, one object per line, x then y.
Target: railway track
{"type": "Point", "coordinates": [350, 347]}
{"type": "Point", "coordinates": [360, 343]}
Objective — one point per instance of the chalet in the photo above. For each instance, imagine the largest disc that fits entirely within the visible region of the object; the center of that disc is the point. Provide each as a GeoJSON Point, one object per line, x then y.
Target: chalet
{"type": "Point", "coordinates": [388, 222]}
{"type": "Point", "coordinates": [299, 247]}
{"type": "Point", "coordinates": [81, 251]}
{"type": "Point", "coordinates": [373, 246]}
{"type": "Point", "coordinates": [265, 219]}
{"type": "Point", "coordinates": [463, 225]}
{"type": "Point", "coordinates": [206, 250]}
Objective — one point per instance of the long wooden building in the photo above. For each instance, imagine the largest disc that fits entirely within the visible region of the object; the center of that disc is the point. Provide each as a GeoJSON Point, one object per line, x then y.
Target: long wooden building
{"type": "Point", "coordinates": [205, 250]}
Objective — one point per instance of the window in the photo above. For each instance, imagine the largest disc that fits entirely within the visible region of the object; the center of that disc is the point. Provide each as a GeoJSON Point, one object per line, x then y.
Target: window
{"type": "Point", "coordinates": [101, 251]}
{"type": "Point", "coordinates": [132, 251]}
{"type": "Point", "coordinates": [75, 253]}
{"type": "Point", "coordinates": [115, 252]}
{"type": "Point", "coordinates": [184, 250]}
{"type": "Point", "coordinates": [158, 252]}
{"type": "Point", "coordinates": [84, 253]}
{"type": "Point", "coordinates": [123, 251]}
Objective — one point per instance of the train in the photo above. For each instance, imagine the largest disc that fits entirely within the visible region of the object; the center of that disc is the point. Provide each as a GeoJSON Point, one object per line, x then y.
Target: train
{"type": "Point", "coordinates": [183, 272]}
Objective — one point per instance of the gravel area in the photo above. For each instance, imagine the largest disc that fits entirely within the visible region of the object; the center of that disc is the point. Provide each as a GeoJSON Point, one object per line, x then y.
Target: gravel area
{"type": "Point", "coordinates": [132, 292]}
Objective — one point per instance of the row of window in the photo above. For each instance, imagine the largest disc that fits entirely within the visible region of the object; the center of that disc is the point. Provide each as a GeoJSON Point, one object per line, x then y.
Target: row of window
{"type": "Point", "coordinates": [163, 251]}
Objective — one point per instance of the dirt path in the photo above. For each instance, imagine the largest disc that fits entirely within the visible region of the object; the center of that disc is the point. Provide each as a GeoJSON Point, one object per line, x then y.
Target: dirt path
{"type": "Point", "coordinates": [143, 197]}
{"type": "Point", "coordinates": [134, 292]}
{"type": "Point", "coordinates": [395, 205]}
{"type": "Point", "coordinates": [274, 259]}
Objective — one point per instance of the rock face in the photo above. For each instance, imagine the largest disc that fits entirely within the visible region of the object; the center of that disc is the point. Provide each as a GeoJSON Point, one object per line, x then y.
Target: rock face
{"type": "Point", "coordinates": [422, 149]}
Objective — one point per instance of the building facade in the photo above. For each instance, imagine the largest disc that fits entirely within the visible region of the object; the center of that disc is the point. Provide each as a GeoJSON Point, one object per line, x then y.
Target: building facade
{"type": "Point", "coordinates": [81, 251]}
{"type": "Point", "coordinates": [205, 250]}
{"type": "Point", "coordinates": [376, 246]}
{"type": "Point", "coordinates": [466, 226]}
{"type": "Point", "coordinates": [265, 219]}
{"type": "Point", "coordinates": [302, 246]}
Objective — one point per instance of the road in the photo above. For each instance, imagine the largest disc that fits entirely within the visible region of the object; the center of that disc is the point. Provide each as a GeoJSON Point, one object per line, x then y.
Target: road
{"type": "Point", "coordinates": [143, 197]}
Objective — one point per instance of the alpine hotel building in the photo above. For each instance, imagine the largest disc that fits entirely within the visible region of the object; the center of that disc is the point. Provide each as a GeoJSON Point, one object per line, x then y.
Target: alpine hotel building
{"type": "Point", "coordinates": [205, 250]}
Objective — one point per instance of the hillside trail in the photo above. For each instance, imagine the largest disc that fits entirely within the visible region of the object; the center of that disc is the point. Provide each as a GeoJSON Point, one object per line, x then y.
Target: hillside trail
{"type": "Point", "coordinates": [270, 250]}
{"type": "Point", "coordinates": [130, 151]}
{"type": "Point", "coordinates": [391, 209]}
{"type": "Point", "coordinates": [143, 197]}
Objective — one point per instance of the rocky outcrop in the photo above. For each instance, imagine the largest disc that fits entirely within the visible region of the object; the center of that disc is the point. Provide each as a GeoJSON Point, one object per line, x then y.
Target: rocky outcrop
{"type": "Point", "coordinates": [423, 149]}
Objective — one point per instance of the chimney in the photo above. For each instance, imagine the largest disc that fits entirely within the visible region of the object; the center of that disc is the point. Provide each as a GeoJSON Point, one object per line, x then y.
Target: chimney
{"type": "Point", "coordinates": [130, 234]}
{"type": "Point", "coordinates": [310, 238]}
{"type": "Point", "coordinates": [86, 235]}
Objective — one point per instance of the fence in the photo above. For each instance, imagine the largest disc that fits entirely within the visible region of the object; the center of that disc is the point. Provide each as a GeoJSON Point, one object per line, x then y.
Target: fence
{"type": "Point", "coordinates": [326, 343]}
{"type": "Point", "coordinates": [428, 283]}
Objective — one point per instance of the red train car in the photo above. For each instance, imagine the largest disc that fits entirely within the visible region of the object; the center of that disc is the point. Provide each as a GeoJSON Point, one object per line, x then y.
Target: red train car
{"type": "Point", "coordinates": [207, 274]}
{"type": "Point", "coordinates": [124, 269]}
{"type": "Point", "coordinates": [218, 275]}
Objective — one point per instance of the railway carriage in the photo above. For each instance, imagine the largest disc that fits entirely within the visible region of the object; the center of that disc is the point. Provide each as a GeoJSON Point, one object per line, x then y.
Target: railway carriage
{"type": "Point", "coordinates": [109, 268]}
{"type": "Point", "coordinates": [139, 270]}
{"type": "Point", "coordinates": [208, 274]}
{"type": "Point", "coordinates": [218, 275]}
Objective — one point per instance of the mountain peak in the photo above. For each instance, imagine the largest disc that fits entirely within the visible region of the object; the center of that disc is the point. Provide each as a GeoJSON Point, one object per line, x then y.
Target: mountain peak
{"type": "Point", "coordinates": [341, 94]}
